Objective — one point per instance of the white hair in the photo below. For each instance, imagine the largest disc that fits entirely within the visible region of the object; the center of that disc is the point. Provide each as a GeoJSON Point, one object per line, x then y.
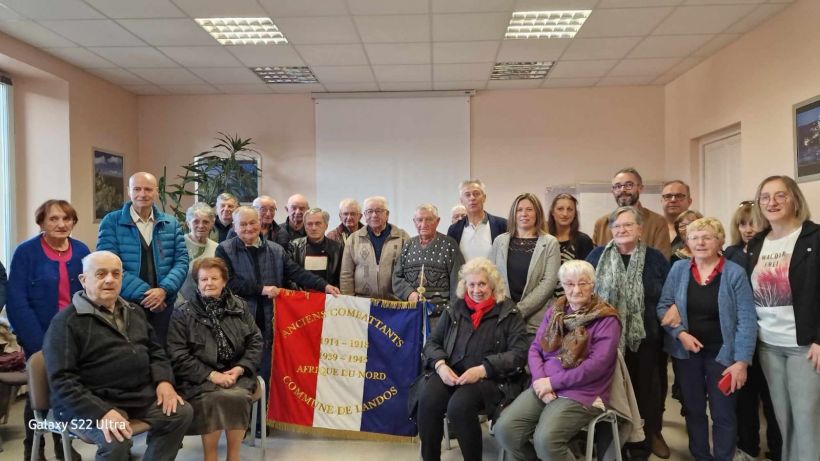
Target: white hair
{"type": "Point", "coordinates": [376, 198]}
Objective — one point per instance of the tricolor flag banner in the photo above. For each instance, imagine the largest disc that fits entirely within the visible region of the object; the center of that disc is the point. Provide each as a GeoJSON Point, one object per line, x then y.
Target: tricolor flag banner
{"type": "Point", "coordinates": [343, 365]}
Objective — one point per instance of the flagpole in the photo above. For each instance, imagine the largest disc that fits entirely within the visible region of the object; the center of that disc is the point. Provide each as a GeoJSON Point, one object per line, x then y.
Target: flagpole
{"type": "Point", "coordinates": [421, 290]}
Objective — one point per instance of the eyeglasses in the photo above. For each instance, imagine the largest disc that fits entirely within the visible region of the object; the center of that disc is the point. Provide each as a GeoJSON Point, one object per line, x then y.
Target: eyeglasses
{"type": "Point", "coordinates": [266, 209]}
{"type": "Point", "coordinates": [704, 238]}
{"type": "Point", "coordinates": [373, 211]}
{"type": "Point", "coordinates": [629, 185]}
{"type": "Point", "coordinates": [427, 219]}
{"type": "Point", "coordinates": [670, 197]}
{"type": "Point", "coordinates": [779, 197]}
{"type": "Point", "coordinates": [624, 226]}
{"type": "Point", "coordinates": [568, 286]}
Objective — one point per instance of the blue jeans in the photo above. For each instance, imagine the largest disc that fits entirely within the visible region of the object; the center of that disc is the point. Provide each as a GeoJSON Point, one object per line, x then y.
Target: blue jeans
{"type": "Point", "coordinates": [698, 376]}
{"type": "Point", "coordinates": [795, 390]}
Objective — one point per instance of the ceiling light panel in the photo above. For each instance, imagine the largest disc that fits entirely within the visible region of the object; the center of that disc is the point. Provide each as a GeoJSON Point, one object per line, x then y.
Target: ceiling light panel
{"type": "Point", "coordinates": [243, 31]}
{"type": "Point", "coordinates": [521, 70]}
{"type": "Point", "coordinates": [279, 74]}
{"type": "Point", "coordinates": [546, 24]}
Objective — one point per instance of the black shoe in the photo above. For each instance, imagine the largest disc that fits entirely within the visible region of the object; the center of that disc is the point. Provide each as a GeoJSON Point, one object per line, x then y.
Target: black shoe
{"type": "Point", "coordinates": [58, 451]}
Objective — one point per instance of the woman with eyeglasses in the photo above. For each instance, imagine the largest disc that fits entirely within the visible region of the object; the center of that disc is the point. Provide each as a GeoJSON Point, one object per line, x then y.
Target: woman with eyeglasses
{"type": "Point", "coordinates": [629, 275]}
{"type": "Point", "coordinates": [714, 338]}
{"type": "Point", "coordinates": [784, 266]}
{"type": "Point", "coordinates": [563, 223]}
{"type": "Point", "coordinates": [681, 223]}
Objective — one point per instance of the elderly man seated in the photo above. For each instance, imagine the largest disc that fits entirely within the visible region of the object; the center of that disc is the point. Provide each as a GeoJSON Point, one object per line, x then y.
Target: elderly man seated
{"type": "Point", "coordinates": [104, 366]}
{"type": "Point", "coordinates": [437, 254]}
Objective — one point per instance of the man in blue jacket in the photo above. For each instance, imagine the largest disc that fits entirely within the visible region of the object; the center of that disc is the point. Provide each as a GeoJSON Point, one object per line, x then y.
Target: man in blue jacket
{"type": "Point", "coordinates": [151, 245]}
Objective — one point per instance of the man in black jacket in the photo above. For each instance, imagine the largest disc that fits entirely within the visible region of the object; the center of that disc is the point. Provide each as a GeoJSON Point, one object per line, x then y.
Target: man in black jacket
{"type": "Point", "coordinates": [316, 253]}
{"type": "Point", "coordinates": [104, 366]}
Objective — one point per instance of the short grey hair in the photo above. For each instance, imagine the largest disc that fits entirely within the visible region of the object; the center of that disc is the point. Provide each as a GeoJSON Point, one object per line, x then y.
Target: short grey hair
{"type": "Point", "coordinates": [244, 209]}
{"type": "Point", "coordinates": [428, 207]}
{"type": "Point", "coordinates": [350, 202]}
{"type": "Point", "coordinates": [576, 268]}
{"type": "Point", "coordinates": [227, 196]}
{"type": "Point", "coordinates": [199, 209]}
{"type": "Point", "coordinates": [89, 258]}
{"type": "Point", "coordinates": [312, 211]}
{"type": "Point", "coordinates": [625, 209]}
{"type": "Point", "coordinates": [377, 198]}
{"type": "Point", "coordinates": [677, 181]}
{"type": "Point", "coordinates": [631, 171]}
{"type": "Point", "coordinates": [471, 182]}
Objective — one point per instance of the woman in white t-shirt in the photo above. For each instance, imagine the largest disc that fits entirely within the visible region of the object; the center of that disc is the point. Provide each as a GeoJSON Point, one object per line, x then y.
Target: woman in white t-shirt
{"type": "Point", "coordinates": [784, 266]}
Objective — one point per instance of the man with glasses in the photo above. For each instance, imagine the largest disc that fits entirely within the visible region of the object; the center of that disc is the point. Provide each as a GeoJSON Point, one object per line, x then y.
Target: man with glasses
{"type": "Point", "coordinates": [370, 253]}
{"type": "Point", "coordinates": [627, 186]}
{"type": "Point", "coordinates": [350, 215]}
{"type": "Point", "coordinates": [475, 232]}
{"type": "Point", "coordinates": [675, 199]}
{"type": "Point", "coordinates": [266, 206]}
{"type": "Point", "coordinates": [295, 223]}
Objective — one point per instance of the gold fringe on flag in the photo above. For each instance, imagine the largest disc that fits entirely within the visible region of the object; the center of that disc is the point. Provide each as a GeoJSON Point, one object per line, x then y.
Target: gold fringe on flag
{"type": "Point", "coordinates": [340, 434]}
{"type": "Point", "coordinates": [389, 304]}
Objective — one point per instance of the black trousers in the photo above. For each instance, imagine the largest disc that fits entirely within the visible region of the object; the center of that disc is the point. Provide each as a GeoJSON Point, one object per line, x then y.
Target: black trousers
{"type": "Point", "coordinates": [643, 371]}
{"type": "Point", "coordinates": [462, 404]}
{"type": "Point", "coordinates": [749, 398]}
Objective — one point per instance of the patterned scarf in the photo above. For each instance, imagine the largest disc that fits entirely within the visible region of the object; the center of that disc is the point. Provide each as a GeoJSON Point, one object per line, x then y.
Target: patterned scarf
{"type": "Point", "coordinates": [215, 310]}
{"type": "Point", "coordinates": [622, 287]}
{"type": "Point", "coordinates": [478, 308]}
{"type": "Point", "coordinates": [568, 331]}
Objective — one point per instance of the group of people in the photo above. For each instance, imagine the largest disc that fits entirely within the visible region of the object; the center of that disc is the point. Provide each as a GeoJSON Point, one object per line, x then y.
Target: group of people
{"type": "Point", "coordinates": [530, 315]}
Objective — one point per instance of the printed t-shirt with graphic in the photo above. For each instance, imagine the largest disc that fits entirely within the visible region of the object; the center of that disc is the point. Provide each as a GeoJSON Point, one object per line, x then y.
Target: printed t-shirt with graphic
{"type": "Point", "coordinates": [772, 292]}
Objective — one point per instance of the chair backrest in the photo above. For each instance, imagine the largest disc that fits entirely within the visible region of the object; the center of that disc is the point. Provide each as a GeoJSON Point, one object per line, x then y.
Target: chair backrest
{"type": "Point", "coordinates": [38, 382]}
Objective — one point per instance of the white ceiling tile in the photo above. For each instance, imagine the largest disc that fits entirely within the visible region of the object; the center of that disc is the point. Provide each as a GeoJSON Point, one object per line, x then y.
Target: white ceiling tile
{"type": "Point", "coordinates": [118, 76]}
{"type": "Point", "coordinates": [145, 90]}
{"type": "Point", "coordinates": [94, 32]}
{"type": "Point", "coordinates": [624, 22]}
{"type": "Point", "coordinates": [641, 67]}
{"type": "Point", "coordinates": [702, 19]}
{"type": "Point", "coordinates": [470, 26]}
{"type": "Point", "coordinates": [134, 56]}
{"type": "Point", "coordinates": [599, 48]}
{"type": "Point", "coordinates": [169, 32]}
{"type": "Point", "coordinates": [7, 14]}
{"type": "Point", "coordinates": [131, 9]}
{"type": "Point", "coordinates": [220, 75]}
{"type": "Point", "coordinates": [266, 55]}
{"type": "Point", "coordinates": [722, 2]}
{"type": "Point", "coordinates": [472, 6]}
{"type": "Point", "coordinates": [332, 55]}
{"type": "Point", "coordinates": [514, 84]}
{"type": "Point", "coordinates": [353, 86]}
{"type": "Point", "coordinates": [244, 88]}
{"type": "Point", "coordinates": [200, 56]}
{"type": "Point", "coordinates": [716, 44]}
{"type": "Point", "coordinates": [221, 8]}
{"type": "Point", "coordinates": [398, 53]}
{"type": "Point", "coordinates": [455, 52]}
{"type": "Point", "coordinates": [461, 85]}
{"type": "Point", "coordinates": [51, 9]}
{"type": "Point", "coordinates": [581, 69]}
{"type": "Point", "coordinates": [168, 75]}
{"type": "Point", "coordinates": [626, 81]}
{"type": "Point", "coordinates": [636, 3]}
{"type": "Point", "coordinates": [190, 89]}
{"type": "Point", "coordinates": [388, 6]}
{"type": "Point", "coordinates": [402, 73]}
{"type": "Point", "coordinates": [456, 72]}
{"type": "Point", "coordinates": [80, 57]}
{"type": "Point", "coordinates": [393, 29]}
{"type": "Point", "coordinates": [545, 49]}
{"type": "Point", "coordinates": [297, 88]}
{"type": "Point", "coordinates": [570, 82]}
{"type": "Point", "coordinates": [406, 86]}
{"type": "Point", "coordinates": [755, 18]}
{"type": "Point", "coordinates": [343, 74]}
{"type": "Point", "coordinates": [34, 34]}
{"type": "Point", "coordinates": [542, 5]}
{"type": "Point", "coordinates": [318, 30]}
{"type": "Point", "coordinates": [669, 46]}
{"type": "Point", "coordinates": [286, 8]}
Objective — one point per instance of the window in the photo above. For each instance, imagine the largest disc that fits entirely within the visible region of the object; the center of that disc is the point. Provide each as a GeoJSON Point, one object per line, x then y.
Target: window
{"type": "Point", "coordinates": [7, 198]}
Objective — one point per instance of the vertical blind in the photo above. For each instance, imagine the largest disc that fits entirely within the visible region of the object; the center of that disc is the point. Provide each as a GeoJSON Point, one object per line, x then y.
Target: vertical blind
{"type": "Point", "coordinates": [7, 197]}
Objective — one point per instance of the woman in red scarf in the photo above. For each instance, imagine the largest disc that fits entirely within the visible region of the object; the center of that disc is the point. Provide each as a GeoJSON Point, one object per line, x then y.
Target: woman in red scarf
{"type": "Point", "coordinates": [474, 361]}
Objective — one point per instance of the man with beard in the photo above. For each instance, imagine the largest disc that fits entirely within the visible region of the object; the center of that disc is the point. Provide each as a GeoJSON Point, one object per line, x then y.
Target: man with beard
{"type": "Point", "coordinates": [675, 199]}
{"type": "Point", "coordinates": [627, 185]}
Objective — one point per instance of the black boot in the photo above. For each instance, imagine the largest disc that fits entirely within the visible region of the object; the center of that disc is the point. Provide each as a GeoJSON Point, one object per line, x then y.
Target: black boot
{"type": "Point", "coordinates": [58, 449]}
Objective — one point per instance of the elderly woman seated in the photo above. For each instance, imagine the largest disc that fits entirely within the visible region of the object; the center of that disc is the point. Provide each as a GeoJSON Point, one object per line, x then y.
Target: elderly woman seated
{"type": "Point", "coordinates": [478, 351]}
{"type": "Point", "coordinates": [572, 361]}
{"type": "Point", "coordinates": [215, 347]}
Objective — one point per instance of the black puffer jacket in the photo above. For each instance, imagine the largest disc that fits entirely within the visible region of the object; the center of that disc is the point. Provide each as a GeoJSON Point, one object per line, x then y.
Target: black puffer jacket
{"type": "Point", "coordinates": [192, 345]}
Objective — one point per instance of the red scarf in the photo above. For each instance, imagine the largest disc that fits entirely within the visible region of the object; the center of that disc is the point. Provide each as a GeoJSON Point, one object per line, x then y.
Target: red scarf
{"type": "Point", "coordinates": [479, 309]}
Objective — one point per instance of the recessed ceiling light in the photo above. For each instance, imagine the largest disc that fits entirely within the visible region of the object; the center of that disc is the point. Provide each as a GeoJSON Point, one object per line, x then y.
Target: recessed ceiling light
{"type": "Point", "coordinates": [279, 74]}
{"type": "Point", "coordinates": [521, 70]}
{"type": "Point", "coordinates": [546, 24]}
{"type": "Point", "coordinates": [243, 31]}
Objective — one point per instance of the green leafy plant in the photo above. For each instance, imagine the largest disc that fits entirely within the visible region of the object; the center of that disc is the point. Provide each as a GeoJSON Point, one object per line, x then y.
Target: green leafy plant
{"type": "Point", "coordinates": [227, 167]}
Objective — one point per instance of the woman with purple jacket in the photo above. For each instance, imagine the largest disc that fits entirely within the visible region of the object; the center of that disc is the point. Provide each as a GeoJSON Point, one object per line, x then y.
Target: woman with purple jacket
{"type": "Point", "coordinates": [569, 384]}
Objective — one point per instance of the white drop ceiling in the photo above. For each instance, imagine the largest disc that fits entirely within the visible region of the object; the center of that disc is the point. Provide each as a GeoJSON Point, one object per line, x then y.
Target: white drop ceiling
{"type": "Point", "coordinates": [155, 46]}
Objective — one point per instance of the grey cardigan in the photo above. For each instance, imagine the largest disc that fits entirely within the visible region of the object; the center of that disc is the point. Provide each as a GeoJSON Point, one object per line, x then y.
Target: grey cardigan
{"type": "Point", "coordinates": [542, 276]}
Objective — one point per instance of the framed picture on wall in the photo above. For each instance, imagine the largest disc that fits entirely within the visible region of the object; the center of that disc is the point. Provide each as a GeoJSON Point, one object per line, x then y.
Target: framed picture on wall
{"type": "Point", "coordinates": [108, 183]}
{"type": "Point", "coordinates": [244, 181]}
{"type": "Point", "coordinates": [807, 140]}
